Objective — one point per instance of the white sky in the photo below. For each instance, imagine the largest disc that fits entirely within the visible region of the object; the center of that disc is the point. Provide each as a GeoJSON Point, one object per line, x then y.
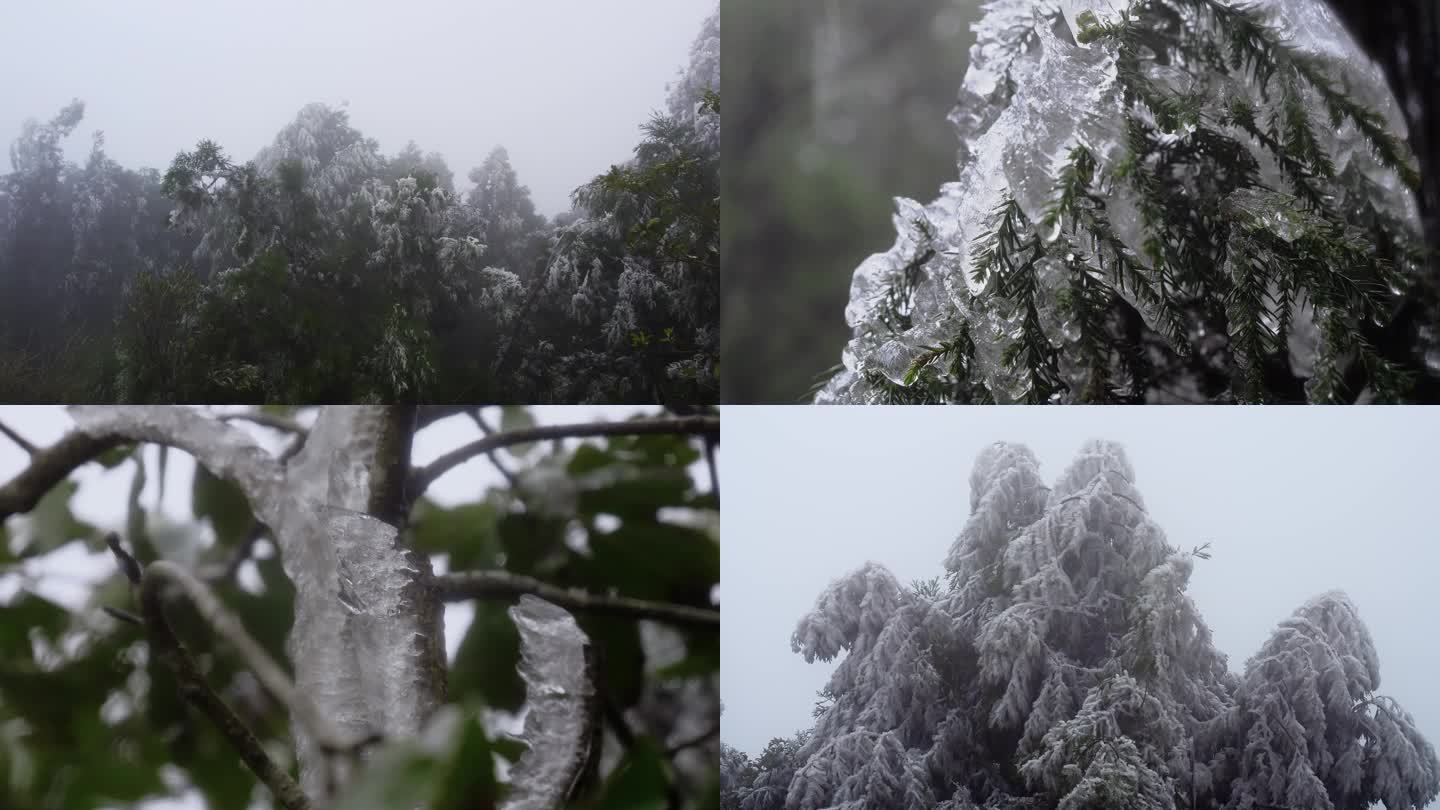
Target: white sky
{"type": "Point", "coordinates": [66, 574]}
{"type": "Point", "coordinates": [1295, 501]}
{"type": "Point", "coordinates": [563, 84]}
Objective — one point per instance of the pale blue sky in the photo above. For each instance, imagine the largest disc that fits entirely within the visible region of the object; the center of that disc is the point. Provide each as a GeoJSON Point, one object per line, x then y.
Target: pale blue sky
{"type": "Point", "coordinates": [564, 85]}
{"type": "Point", "coordinates": [1295, 502]}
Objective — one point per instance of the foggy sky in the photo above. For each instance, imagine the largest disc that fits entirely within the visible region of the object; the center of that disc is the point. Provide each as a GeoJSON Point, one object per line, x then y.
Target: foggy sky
{"type": "Point", "coordinates": [1295, 501]}
{"type": "Point", "coordinates": [563, 84]}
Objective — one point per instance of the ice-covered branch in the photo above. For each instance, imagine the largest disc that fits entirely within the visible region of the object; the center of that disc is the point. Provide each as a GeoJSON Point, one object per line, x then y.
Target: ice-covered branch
{"type": "Point", "coordinates": [563, 722]}
{"type": "Point", "coordinates": [48, 467]}
{"type": "Point", "coordinates": [422, 478]}
{"type": "Point", "coordinates": [462, 585]}
{"type": "Point", "coordinates": [263, 419]}
{"type": "Point", "coordinates": [193, 687]}
{"type": "Point", "coordinates": [223, 450]}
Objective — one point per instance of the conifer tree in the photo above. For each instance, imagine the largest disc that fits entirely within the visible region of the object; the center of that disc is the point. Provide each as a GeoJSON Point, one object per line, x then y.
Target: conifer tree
{"type": "Point", "coordinates": [1158, 201]}
{"type": "Point", "coordinates": [1064, 666]}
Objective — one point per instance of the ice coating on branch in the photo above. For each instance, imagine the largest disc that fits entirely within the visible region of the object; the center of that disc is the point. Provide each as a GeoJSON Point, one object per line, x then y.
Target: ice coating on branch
{"type": "Point", "coordinates": [1031, 93]}
{"type": "Point", "coordinates": [225, 451]}
{"type": "Point", "coordinates": [561, 705]}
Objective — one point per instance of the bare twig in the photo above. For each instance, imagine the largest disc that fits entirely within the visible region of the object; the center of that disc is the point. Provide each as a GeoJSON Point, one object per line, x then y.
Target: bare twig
{"type": "Point", "coordinates": [20, 441]}
{"type": "Point", "coordinates": [422, 478]}
{"type": "Point", "coordinates": [123, 615]}
{"type": "Point", "coordinates": [48, 467]}
{"type": "Point", "coordinates": [491, 454]}
{"type": "Point", "coordinates": [462, 585]}
{"type": "Point", "coordinates": [698, 739]}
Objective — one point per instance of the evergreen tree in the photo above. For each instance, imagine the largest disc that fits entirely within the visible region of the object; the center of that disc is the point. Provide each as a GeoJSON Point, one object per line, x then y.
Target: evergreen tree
{"type": "Point", "coordinates": [1064, 666]}
{"type": "Point", "coordinates": [1159, 200]}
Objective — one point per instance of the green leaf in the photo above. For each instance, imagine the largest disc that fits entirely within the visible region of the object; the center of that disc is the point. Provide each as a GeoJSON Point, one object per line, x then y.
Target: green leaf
{"type": "Point", "coordinates": [468, 533]}
{"type": "Point", "coordinates": [223, 504]}
{"type": "Point", "coordinates": [51, 524]}
{"type": "Point", "coordinates": [485, 664]}
{"type": "Point", "coordinates": [398, 776]}
{"type": "Point", "coordinates": [467, 781]}
{"type": "Point", "coordinates": [25, 614]}
{"type": "Point", "coordinates": [517, 417]}
{"type": "Point", "coordinates": [115, 456]}
{"type": "Point", "coordinates": [640, 783]}
{"type": "Point", "coordinates": [640, 496]}
{"type": "Point", "coordinates": [662, 561]}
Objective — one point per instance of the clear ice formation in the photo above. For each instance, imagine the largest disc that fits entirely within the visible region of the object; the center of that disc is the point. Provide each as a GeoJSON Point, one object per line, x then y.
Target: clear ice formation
{"type": "Point", "coordinates": [1030, 94]}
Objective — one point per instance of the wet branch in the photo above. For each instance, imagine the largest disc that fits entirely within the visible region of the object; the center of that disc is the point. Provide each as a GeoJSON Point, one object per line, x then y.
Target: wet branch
{"type": "Point", "coordinates": [462, 585]}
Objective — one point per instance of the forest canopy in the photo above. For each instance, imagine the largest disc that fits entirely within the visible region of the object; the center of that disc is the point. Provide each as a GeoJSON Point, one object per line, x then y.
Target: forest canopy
{"type": "Point", "coordinates": [322, 270]}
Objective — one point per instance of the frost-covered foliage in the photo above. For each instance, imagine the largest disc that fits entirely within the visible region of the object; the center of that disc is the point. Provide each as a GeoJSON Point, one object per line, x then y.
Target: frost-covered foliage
{"type": "Point", "coordinates": [643, 260]}
{"type": "Point", "coordinates": [1064, 666]}
{"type": "Point", "coordinates": [1159, 200]}
{"type": "Point", "coordinates": [324, 270]}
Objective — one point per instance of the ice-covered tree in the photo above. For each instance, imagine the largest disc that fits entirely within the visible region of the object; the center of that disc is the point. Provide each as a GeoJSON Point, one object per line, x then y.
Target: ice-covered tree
{"type": "Point", "coordinates": [1158, 200]}
{"type": "Point", "coordinates": [1064, 666]}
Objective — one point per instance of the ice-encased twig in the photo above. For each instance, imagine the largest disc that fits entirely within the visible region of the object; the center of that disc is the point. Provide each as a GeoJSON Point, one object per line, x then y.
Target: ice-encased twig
{"type": "Point", "coordinates": [558, 669]}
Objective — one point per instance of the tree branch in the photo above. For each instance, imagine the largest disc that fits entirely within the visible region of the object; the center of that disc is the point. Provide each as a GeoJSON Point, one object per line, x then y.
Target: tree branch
{"type": "Point", "coordinates": [49, 467]}
{"type": "Point", "coordinates": [223, 450]}
{"type": "Point", "coordinates": [21, 441]}
{"type": "Point", "coordinates": [422, 478]}
{"type": "Point", "coordinates": [193, 687]}
{"type": "Point", "coordinates": [462, 585]}
{"type": "Point", "coordinates": [490, 454]}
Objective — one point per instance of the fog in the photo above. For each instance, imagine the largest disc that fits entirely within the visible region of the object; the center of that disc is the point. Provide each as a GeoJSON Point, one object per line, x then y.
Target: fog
{"type": "Point", "coordinates": [562, 84]}
{"type": "Point", "coordinates": [1294, 503]}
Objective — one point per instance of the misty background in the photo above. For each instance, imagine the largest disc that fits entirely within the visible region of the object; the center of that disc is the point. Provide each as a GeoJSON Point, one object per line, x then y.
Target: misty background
{"type": "Point", "coordinates": [833, 109]}
{"type": "Point", "coordinates": [562, 84]}
{"type": "Point", "coordinates": [1294, 502]}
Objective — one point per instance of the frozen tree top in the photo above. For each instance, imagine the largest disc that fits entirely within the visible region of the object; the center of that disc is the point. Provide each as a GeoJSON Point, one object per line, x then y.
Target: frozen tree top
{"type": "Point", "coordinates": [1031, 94]}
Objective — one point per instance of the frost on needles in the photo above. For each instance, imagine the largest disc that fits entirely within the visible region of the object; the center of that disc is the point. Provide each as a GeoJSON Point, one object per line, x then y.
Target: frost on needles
{"type": "Point", "coordinates": [1159, 200]}
{"type": "Point", "coordinates": [1062, 665]}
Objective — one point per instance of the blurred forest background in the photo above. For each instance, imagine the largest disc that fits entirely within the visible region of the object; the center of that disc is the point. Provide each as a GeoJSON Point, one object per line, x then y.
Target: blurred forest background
{"type": "Point", "coordinates": [834, 107]}
{"type": "Point", "coordinates": [322, 270]}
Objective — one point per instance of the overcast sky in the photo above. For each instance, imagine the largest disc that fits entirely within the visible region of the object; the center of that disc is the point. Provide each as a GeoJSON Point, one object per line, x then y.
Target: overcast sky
{"type": "Point", "coordinates": [1295, 502]}
{"type": "Point", "coordinates": [563, 84]}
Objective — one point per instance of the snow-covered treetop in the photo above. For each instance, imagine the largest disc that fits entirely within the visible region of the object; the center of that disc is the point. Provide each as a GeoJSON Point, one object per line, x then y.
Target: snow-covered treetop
{"type": "Point", "coordinates": [849, 614]}
{"type": "Point", "coordinates": [1065, 666]}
